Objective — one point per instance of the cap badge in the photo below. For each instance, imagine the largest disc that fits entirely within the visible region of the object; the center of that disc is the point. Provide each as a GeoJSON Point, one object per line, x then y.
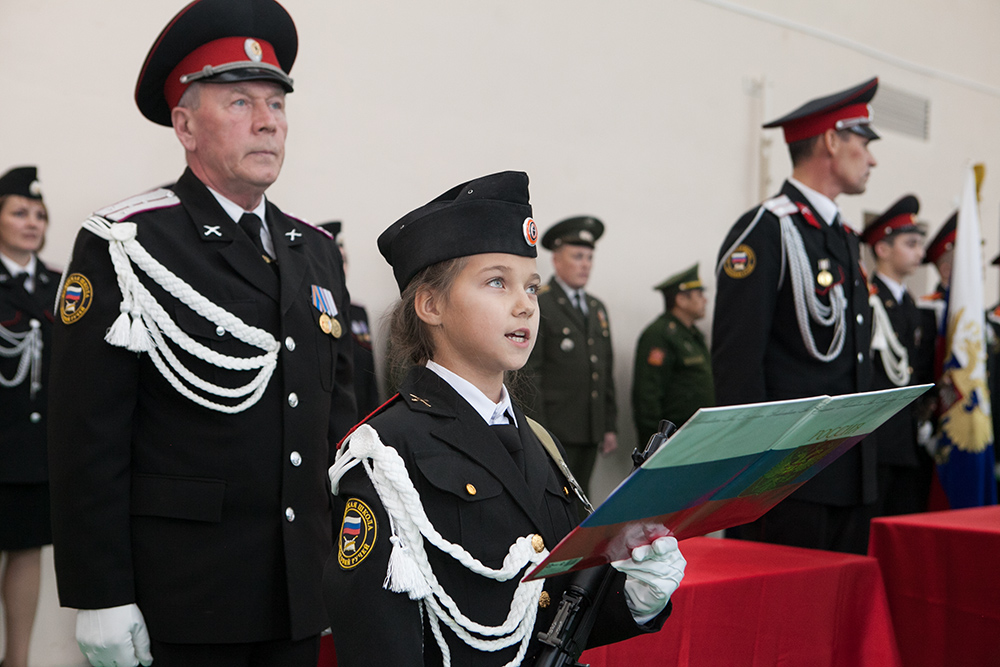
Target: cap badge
{"type": "Point", "coordinates": [35, 189]}
{"type": "Point", "coordinates": [586, 236]}
{"type": "Point", "coordinates": [530, 231]}
{"type": "Point", "coordinates": [252, 48]}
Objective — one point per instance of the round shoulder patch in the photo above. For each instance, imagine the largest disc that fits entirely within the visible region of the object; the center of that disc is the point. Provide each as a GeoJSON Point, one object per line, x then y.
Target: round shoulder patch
{"type": "Point", "coordinates": [741, 262]}
{"type": "Point", "coordinates": [76, 297]}
{"type": "Point", "coordinates": [357, 534]}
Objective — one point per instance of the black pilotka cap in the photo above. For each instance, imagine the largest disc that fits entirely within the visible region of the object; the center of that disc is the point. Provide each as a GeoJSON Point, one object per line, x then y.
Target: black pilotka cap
{"type": "Point", "coordinates": [488, 214]}
{"type": "Point", "coordinates": [333, 227]}
{"type": "Point", "coordinates": [899, 218]}
{"type": "Point", "coordinates": [846, 110]}
{"type": "Point", "coordinates": [579, 230]}
{"type": "Point", "coordinates": [21, 181]}
{"type": "Point", "coordinates": [216, 41]}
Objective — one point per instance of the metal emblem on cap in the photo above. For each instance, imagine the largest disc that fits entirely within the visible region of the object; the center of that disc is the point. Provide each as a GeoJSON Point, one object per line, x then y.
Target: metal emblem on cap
{"type": "Point", "coordinates": [530, 231]}
{"type": "Point", "coordinates": [36, 189]}
{"type": "Point", "coordinates": [253, 50]}
{"type": "Point", "coordinates": [586, 235]}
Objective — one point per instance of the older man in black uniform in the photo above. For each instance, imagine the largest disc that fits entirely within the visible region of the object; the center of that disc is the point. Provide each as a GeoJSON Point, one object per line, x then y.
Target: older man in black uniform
{"type": "Point", "coordinates": [900, 357]}
{"type": "Point", "coordinates": [792, 316]}
{"type": "Point", "coordinates": [201, 371]}
{"type": "Point", "coordinates": [571, 366]}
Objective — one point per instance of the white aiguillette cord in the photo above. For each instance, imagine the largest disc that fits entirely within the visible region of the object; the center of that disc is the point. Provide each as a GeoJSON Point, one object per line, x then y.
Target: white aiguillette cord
{"type": "Point", "coordinates": [143, 322]}
{"type": "Point", "coordinates": [409, 569]}
{"type": "Point", "coordinates": [27, 344]}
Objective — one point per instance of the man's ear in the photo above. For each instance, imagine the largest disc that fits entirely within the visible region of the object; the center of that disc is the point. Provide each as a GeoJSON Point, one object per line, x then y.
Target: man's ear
{"type": "Point", "coordinates": [831, 141]}
{"type": "Point", "coordinates": [182, 121]}
{"type": "Point", "coordinates": [426, 303]}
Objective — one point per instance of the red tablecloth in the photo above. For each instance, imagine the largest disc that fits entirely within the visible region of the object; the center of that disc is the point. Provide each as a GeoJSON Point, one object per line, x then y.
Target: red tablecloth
{"type": "Point", "coordinates": [761, 605]}
{"type": "Point", "coordinates": [746, 604]}
{"type": "Point", "coordinates": [942, 577]}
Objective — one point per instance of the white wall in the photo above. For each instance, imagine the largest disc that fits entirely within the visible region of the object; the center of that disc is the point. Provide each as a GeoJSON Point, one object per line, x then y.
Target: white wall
{"type": "Point", "coordinates": [642, 113]}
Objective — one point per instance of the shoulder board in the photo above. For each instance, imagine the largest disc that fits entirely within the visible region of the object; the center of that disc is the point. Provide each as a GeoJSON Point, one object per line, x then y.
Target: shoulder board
{"type": "Point", "coordinates": [928, 298]}
{"type": "Point", "coordinates": [147, 201]}
{"type": "Point", "coordinates": [309, 225]}
{"type": "Point", "coordinates": [543, 289]}
{"type": "Point", "coordinates": [780, 206]}
{"type": "Point", "coordinates": [374, 412]}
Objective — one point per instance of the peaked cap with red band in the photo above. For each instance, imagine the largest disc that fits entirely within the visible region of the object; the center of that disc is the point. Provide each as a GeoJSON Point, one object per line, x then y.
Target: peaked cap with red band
{"type": "Point", "coordinates": [899, 218]}
{"type": "Point", "coordinates": [846, 110]}
{"type": "Point", "coordinates": [488, 214]}
{"type": "Point", "coordinates": [216, 41]}
{"type": "Point", "coordinates": [943, 241]}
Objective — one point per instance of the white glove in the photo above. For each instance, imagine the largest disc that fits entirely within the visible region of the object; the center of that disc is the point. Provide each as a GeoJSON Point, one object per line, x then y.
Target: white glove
{"type": "Point", "coordinates": [113, 637]}
{"type": "Point", "coordinates": [653, 573]}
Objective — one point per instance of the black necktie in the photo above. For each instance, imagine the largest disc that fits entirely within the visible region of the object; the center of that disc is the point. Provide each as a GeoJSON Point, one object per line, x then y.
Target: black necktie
{"type": "Point", "coordinates": [578, 302]}
{"type": "Point", "coordinates": [20, 279]}
{"type": "Point", "coordinates": [251, 225]}
{"type": "Point", "coordinates": [511, 441]}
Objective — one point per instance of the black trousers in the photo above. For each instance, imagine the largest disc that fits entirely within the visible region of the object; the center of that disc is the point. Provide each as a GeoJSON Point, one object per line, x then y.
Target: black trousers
{"type": "Point", "coordinates": [797, 523]}
{"type": "Point", "coordinates": [280, 653]}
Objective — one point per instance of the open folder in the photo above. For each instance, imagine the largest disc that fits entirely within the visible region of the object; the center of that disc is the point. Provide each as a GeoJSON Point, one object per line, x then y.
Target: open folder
{"type": "Point", "coordinates": [724, 467]}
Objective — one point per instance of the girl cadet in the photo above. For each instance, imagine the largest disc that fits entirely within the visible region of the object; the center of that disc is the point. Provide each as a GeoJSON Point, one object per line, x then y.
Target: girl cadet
{"type": "Point", "coordinates": [455, 498]}
{"type": "Point", "coordinates": [27, 292]}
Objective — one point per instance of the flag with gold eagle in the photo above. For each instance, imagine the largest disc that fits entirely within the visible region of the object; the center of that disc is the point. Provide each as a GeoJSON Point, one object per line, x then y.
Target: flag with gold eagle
{"type": "Point", "coordinates": [965, 437]}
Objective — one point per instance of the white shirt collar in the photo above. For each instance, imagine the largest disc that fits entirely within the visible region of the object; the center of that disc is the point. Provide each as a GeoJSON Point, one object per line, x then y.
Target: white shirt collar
{"type": "Point", "coordinates": [492, 413]}
{"type": "Point", "coordinates": [235, 211]}
{"type": "Point", "coordinates": [822, 204]}
{"type": "Point", "coordinates": [15, 269]}
{"type": "Point", "coordinates": [897, 289]}
{"type": "Point", "coordinates": [566, 288]}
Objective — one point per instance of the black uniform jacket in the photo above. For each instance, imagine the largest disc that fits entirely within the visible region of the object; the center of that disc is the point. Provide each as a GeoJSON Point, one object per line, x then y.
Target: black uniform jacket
{"type": "Point", "coordinates": [216, 525]}
{"type": "Point", "coordinates": [447, 447]}
{"type": "Point", "coordinates": [757, 348]}
{"type": "Point", "coordinates": [571, 369]}
{"type": "Point", "coordinates": [22, 418]}
{"type": "Point", "coordinates": [897, 438]}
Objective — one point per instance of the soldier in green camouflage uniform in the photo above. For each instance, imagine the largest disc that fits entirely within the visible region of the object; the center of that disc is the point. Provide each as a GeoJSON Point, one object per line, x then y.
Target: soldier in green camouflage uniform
{"type": "Point", "coordinates": [673, 370]}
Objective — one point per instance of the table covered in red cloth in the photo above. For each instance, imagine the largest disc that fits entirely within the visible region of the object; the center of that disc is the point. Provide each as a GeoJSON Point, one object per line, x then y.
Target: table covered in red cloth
{"type": "Point", "coordinates": [760, 605]}
{"type": "Point", "coordinates": [942, 577]}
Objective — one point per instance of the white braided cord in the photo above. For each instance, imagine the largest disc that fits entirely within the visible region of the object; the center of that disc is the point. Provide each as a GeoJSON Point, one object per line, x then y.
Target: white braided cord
{"type": "Point", "coordinates": [410, 526]}
{"type": "Point", "coordinates": [895, 356]}
{"type": "Point", "coordinates": [807, 304]}
{"type": "Point", "coordinates": [27, 344]}
{"type": "Point", "coordinates": [143, 322]}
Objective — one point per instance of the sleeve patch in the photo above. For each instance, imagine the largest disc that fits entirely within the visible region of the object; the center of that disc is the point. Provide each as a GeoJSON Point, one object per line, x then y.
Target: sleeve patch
{"type": "Point", "coordinates": [357, 534]}
{"type": "Point", "coordinates": [76, 297]}
{"type": "Point", "coordinates": [656, 357]}
{"type": "Point", "coordinates": [741, 262]}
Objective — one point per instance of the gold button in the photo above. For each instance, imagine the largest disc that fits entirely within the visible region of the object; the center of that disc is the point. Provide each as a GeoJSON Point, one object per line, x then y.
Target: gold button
{"type": "Point", "coordinates": [471, 489]}
{"type": "Point", "coordinates": [565, 491]}
{"type": "Point", "coordinates": [537, 543]}
{"type": "Point", "coordinates": [544, 599]}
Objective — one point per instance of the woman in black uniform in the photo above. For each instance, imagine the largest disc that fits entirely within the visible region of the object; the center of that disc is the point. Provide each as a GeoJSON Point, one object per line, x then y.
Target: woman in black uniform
{"type": "Point", "coordinates": [446, 496]}
{"type": "Point", "coordinates": [27, 292]}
